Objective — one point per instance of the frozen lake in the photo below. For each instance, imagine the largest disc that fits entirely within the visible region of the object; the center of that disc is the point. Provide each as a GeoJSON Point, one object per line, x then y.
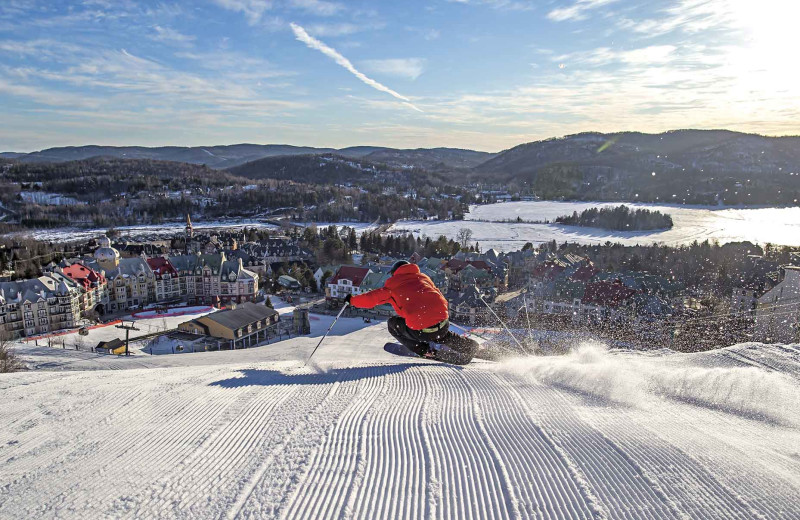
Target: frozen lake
{"type": "Point", "coordinates": [170, 229]}
{"type": "Point", "coordinates": [166, 230]}
{"type": "Point", "coordinates": [760, 225]}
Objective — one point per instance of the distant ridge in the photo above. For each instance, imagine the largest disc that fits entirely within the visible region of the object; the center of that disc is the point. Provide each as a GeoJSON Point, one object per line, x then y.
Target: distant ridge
{"type": "Point", "coordinates": [228, 156]}
{"type": "Point", "coordinates": [682, 166]}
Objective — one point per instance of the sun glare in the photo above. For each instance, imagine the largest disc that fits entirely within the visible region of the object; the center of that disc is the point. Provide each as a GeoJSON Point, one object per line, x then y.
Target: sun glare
{"type": "Point", "coordinates": [770, 39]}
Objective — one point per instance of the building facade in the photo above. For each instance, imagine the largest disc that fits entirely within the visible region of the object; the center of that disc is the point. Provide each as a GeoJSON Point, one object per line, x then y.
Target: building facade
{"type": "Point", "coordinates": [39, 305]}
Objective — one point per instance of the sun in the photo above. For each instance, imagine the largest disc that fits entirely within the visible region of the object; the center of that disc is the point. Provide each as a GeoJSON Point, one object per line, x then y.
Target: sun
{"type": "Point", "coordinates": [769, 40]}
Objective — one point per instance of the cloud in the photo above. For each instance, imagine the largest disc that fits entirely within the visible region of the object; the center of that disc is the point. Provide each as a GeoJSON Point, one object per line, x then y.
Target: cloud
{"type": "Point", "coordinates": [252, 9]}
{"type": "Point", "coordinates": [317, 7]}
{"type": "Point", "coordinates": [336, 29]}
{"type": "Point", "coordinates": [510, 5]}
{"type": "Point", "coordinates": [170, 35]}
{"type": "Point", "coordinates": [644, 56]}
{"type": "Point", "coordinates": [410, 68]}
{"type": "Point", "coordinates": [576, 11]}
{"type": "Point", "coordinates": [315, 44]}
{"type": "Point", "coordinates": [323, 30]}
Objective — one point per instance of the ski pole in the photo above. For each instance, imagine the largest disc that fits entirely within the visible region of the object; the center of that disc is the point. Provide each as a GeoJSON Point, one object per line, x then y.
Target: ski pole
{"type": "Point", "coordinates": [326, 333]}
{"type": "Point", "coordinates": [469, 331]}
{"type": "Point", "coordinates": [521, 348]}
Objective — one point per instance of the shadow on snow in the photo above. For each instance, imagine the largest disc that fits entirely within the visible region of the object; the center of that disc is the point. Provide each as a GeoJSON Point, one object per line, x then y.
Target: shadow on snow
{"type": "Point", "coordinates": [261, 377]}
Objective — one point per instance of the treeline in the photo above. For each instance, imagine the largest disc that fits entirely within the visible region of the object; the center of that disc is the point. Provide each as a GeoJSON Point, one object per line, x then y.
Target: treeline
{"type": "Point", "coordinates": [707, 267]}
{"type": "Point", "coordinates": [104, 177]}
{"type": "Point", "coordinates": [405, 245]}
{"type": "Point", "coordinates": [126, 192]}
{"type": "Point", "coordinates": [620, 218]}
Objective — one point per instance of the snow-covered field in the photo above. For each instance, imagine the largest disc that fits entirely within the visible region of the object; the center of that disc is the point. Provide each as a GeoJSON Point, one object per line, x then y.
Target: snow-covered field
{"type": "Point", "coordinates": [762, 225]}
{"type": "Point", "coordinates": [365, 434]}
{"type": "Point", "coordinates": [48, 357]}
{"type": "Point", "coordinates": [72, 234]}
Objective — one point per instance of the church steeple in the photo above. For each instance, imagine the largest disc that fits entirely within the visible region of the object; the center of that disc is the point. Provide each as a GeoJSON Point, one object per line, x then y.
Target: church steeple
{"type": "Point", "coordinates": [189, 234]}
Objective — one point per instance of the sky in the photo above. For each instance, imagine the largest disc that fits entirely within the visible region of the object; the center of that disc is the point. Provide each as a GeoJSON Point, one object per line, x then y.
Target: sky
{"type": "Point", "coordinates": [478, 74]}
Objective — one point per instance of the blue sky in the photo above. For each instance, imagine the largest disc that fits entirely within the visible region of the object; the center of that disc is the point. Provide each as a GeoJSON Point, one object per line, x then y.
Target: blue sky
{"type": "Point", "coordinates": [481, 74]}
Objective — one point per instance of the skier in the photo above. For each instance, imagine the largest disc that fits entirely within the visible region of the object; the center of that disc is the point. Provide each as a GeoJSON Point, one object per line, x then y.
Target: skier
{"type": "Point", "coordinates": [422, 323]}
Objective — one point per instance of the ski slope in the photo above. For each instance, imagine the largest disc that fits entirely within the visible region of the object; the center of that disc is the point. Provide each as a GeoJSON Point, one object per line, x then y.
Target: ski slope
{"type": "Point", "coordinates": [365, 434]}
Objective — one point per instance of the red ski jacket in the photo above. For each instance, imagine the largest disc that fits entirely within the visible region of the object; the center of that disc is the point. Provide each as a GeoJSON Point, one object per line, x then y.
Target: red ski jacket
{"type": "Point", "coordinates": [413, 296]}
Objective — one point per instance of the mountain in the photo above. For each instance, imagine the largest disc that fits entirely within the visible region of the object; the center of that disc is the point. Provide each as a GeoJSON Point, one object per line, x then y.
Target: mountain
{"type": "Point", "coordinates": [358, 151]}
{"type": "Point", "coordinates": [227, 156]}
{"type": "Point", "coordinates": [684, 164]}
{"type": "Point", "coordinates": [10, 155]}
{"type": "Point", "coordinates": [212, 156]}
{"type": "Point", "coordinates": [430, 158]}
{"type": "Point", "coordinates": [361, 433]}
{"type": "Point", "coordinates": [319, 169]}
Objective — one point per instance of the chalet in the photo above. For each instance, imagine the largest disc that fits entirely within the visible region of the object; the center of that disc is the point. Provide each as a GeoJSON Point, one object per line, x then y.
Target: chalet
{"type": "Point", "coordinates": [466, 306]}
{"type": "Point", "coordinates": [115, 346]}
{"type": "Point", "coordinates": [602, 300]}
{"type": "Point", "coordinates": [166, 277]}
{"type": "Point", "coordinates": [247, 325]}
{"type": "Point", "coordinates": [94, 286]}
{"type": "Point", "coordinates": [39, 305]}
{"type": "Point", "coordinates": [347, 280]}
{"type": "Point", "coordinates": [322, 271]}
{"type": "Point", "coordinates": [289, 283]}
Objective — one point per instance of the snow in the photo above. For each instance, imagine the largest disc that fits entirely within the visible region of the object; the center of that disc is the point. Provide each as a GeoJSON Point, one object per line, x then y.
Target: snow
{"type": "Point", "coordinates": [74, 234]}
{"type": "Point", "coordinates": [72, 340]}
{"type": "Point", "coordinates": [596, 433]}
{"type": "Point", "coordinates": [760, 225]}
{"type": "Point", "coordinates": [171, 312]}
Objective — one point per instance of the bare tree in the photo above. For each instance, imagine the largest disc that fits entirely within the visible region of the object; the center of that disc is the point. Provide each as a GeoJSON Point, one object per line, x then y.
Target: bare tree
{"type": "Point", "coordinates": [9, 362]}
{"type": "Point", "coordinates": [463, 236]}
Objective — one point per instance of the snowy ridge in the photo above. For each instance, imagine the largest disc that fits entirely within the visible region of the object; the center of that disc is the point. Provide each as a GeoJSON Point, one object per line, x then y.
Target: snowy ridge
{"type": "Point", "coordinates": [252, 434]}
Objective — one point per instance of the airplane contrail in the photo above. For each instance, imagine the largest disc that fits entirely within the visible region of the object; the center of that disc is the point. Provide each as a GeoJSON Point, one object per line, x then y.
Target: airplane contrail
{"type": "Point", "coordinates": [332, 53]}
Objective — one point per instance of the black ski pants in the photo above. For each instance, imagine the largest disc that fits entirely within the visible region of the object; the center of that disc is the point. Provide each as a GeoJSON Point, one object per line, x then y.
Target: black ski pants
{"type": "Point", "coordinates": [418, 342]}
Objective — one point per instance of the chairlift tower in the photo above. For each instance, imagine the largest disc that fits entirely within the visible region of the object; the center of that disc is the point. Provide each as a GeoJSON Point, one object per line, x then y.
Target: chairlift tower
{"type": "Point", "coordinates": [128, 329]}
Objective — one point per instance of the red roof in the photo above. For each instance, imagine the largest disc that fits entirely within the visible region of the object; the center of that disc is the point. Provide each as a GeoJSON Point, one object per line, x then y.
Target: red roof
{"type": "Point", "coordinates": [83, 275]}
{"type": "Point", "coordinates": [607, 294]}
{"type": "Point", "coordinates": [350, 272]}
{"type": "Point", "coordinates": [547, 270]}
{"type": "Point", "coordinates": [584, 273]}
{"type": "Point", "coordinates": [456, 265]}
{"type": "Point", "coordinates": [161, 266]}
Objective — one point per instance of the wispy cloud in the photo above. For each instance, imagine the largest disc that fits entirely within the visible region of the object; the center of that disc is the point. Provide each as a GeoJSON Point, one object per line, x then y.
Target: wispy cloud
{"type": "Point", "coordinates": [577, 10]}
{"type": "Point", "coordinates": [512, 5]}
{"type": "Point", "coordinates": [252, 9]}
{"type": "Point", "coordinates": [170, 35]}
{"type": "Point", "coordinates": [318, 7]}
{"type": "Point", "coordinates": [332, 53]}
{"type": "Point", "coordinates": [409, 68]}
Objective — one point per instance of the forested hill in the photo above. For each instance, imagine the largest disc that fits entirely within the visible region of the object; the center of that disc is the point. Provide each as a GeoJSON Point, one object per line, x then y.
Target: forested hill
{"type": "Point", "coordinates": [228, 156]}
{"type": "Point", "coordinates": [697, 166]}
{"type": "Point", "coordinates": [317, 169]}
{"type": "Point", "coordinates": [213, 156]}
{"type": "Point", "coordinates": [436, 159]}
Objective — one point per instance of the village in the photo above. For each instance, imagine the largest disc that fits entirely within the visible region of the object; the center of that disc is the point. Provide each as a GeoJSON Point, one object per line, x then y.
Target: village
{"type": "Point", "coordinates": [223, 284]}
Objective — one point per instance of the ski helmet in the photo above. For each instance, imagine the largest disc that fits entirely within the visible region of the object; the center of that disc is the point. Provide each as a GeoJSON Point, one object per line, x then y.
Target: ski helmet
{"type": "Point", "coordinates": [397, 265]}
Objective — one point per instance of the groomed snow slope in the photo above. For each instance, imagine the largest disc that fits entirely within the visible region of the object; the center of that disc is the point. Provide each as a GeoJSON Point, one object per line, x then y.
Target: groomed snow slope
{"type": "Point", "coordinates": [594, 434]}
